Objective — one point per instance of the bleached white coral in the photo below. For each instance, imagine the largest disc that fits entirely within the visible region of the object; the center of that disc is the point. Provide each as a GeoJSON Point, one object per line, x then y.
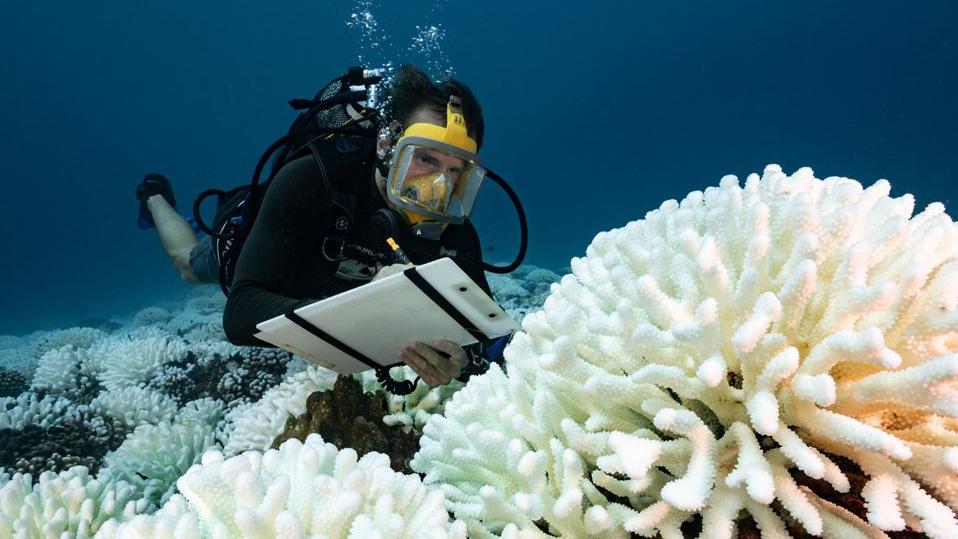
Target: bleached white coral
{"type": "Point", "coordinates": [302, 489]}
{"type": "Point", "coordinates": [153, 457]}
{"type": "Point", "coordinates": [128, 360]}
{"type": "Point", "coordinates": [58, 371]}
{"type": "Point", "coordinates": [135, 406]}
{"type": "Point", "coordinates": [198, 327]}
{"type": "Point", "coordinates": [206, 300]}
{"type": "Point", "coordinates": [414, 409]}
{"type": "Point", "coordinates": [703, 359]}
{"type": "Point", "coordinates": [253, 426]}
{"type": "Point", "coordinates": [79, 337]}
{"type": "Point", "coordinates": [69, 504]}
{"type": "Point", "coordinates": [29, 409]}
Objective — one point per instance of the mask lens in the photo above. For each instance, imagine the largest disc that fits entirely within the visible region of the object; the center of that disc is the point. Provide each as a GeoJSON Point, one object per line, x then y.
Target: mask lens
{"type": "Point", "coordinates": [433, 182]}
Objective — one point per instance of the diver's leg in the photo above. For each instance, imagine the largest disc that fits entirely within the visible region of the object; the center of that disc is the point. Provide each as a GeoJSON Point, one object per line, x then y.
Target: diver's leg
{"type": "Point", "coordinates": [176, 236]}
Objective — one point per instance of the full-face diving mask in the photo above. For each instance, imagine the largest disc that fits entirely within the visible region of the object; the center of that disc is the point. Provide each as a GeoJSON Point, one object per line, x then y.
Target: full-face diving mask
{"type": "Point", "coordinates": [435, 174]}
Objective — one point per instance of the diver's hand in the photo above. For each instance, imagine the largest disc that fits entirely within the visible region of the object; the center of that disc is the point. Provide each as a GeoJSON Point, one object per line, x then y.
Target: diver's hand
{"type": "Point", "coordinates": [436, 363]}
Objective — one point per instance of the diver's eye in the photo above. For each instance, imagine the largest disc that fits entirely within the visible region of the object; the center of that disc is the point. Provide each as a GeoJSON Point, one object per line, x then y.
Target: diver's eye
{"type": "Point", "coordinates": [427, 159]}
{"type": "Point", "coordinates": [411, 193]}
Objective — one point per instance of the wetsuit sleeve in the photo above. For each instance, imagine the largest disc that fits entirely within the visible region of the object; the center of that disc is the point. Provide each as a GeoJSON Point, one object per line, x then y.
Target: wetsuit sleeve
{"type": "Point", "coordinates": [273, 264]}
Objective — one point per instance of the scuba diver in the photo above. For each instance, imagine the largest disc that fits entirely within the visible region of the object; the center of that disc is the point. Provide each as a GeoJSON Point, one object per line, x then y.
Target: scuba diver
{"type": "Point", "coordinates": [370, 161]}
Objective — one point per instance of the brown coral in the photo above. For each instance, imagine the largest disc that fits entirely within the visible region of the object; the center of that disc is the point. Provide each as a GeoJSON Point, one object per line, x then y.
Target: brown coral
{"type": "Point", "coordinates": [347, 417]}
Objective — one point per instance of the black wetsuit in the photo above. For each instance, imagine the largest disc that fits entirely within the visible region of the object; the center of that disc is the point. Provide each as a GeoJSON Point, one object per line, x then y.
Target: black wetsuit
{"type": "Point", "coordinates": [283, 266]}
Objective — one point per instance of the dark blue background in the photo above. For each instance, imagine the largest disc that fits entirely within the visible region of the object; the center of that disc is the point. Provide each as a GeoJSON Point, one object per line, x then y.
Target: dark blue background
{"type": "Point", "coordinates": [596, 114]}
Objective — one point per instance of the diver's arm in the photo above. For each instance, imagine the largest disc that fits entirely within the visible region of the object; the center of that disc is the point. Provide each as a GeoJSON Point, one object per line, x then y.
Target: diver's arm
{"type": "Point", "coordinates": [269, 270]}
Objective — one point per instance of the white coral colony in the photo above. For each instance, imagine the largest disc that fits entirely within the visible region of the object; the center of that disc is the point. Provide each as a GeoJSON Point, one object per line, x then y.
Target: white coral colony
{"type": "Point", "coordinates": [709, 359]}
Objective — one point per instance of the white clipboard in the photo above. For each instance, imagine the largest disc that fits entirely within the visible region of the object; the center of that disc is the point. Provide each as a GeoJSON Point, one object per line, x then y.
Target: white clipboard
{"type": "Point", "coordinates": [377, 318]}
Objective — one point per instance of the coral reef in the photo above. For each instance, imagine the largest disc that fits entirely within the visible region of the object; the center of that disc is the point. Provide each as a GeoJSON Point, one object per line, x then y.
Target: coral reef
{"type": "Point", "coordinates": [253, 426]}
{"type": "Point", "coordinates": [60, 372]}
{"type": "Point", "coordinates": [412, 410]}
{"type": "Point", "coordinates": [151, 316]}
{"type": "Point", "coordinates": [12, 383]}
{"type": "Point", "coordinates": [29, 408]}
{"type": "Point", "coordinates": [135, 406]}
{"type": "Point", "coordinates": [153, 457]}
{"type": "Point", "coordinates": [711, 360]}
{"type": "Point", "coordinates": [82, 439]}
{"type": "Point", "coordinates": [137, 401]}
{"type": "Point", "coordinates": [301, 489]}
{"type": "Point", "coordinates": [523, 291]}
{"type": "Point", "coordinates": [229, 373]}
{"type": "Point", "coordinates": [128, 360]}
{"type": "Point", "coordinates": [70, 504]}
{"type": "Point", "coordinates": [346, 416]}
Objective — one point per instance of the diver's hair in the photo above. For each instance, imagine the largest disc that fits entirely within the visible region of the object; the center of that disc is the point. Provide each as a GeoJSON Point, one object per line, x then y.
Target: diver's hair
{"type": "Point", "coordinates": [412, 89]}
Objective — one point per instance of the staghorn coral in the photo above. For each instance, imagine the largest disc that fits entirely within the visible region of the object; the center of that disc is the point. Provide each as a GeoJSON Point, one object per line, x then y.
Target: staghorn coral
{"type": "Point", "coordinates": [70, 504]}
{"type": "Point", "coordinates": [347, 416]}
{"type": "Point", "coordinates": [309, 489]}
{"type": "Point", "coordinates": [715, 358]}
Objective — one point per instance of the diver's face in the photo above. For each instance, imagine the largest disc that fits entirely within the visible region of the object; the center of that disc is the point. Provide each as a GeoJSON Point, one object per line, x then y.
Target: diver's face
{"type": "Point", "coordinates": [431, 161]}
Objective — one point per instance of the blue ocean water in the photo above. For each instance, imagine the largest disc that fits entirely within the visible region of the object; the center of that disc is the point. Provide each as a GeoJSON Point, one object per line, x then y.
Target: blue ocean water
{"type": "Point", "coordinates": [595, 113]}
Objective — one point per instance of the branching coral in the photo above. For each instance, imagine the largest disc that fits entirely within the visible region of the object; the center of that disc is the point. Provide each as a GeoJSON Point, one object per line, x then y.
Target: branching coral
{"type": "Point", "coordinates": [12, 383]}
{"type": "Point", "coordinates": [128, 360]}
{"type": "Point", "coordinates": [30, 409]}
{"type": "Point", "coordinates": [220, 370]}
{"type": "Point", "coordinates": [153, 457]}
{"type": "Point", "coordinates": [135, 406]}
{"type": "Point", "coordinates": [69, 504]}
{"type": "Point", "coordinates": [716, 357]}
{"type": "Point", "coordinates": [301, 489]}
{"type": "Point", "coordinates": [60, 372]}
{"type": "Point", "coordinates": [77, 438]}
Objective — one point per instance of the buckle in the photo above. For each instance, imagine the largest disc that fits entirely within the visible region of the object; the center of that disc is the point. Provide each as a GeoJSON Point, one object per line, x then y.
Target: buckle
{"type": "Point", "coordinates": [342, 245]}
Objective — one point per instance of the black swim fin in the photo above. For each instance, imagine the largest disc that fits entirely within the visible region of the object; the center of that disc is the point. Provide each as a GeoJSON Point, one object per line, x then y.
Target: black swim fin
{"type": "Point", "coordinates": [152, 184]}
